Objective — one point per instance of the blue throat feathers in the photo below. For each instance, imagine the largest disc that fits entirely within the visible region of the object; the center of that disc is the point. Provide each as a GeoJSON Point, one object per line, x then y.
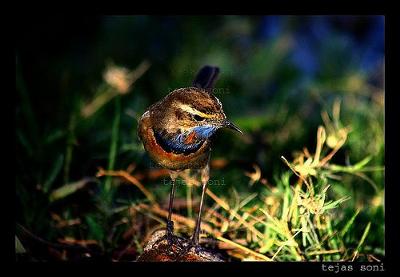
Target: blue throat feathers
{"type": "Point", "coordinates": [205, 131]}
{"type": "Point", "coordinates": [179, 145]}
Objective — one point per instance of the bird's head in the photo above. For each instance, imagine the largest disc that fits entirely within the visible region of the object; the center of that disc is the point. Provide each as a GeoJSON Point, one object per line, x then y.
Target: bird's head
{"type": "Point", "coordinates": [190, 109]}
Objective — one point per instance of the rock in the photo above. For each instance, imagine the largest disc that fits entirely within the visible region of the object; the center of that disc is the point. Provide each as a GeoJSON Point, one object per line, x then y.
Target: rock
{"type": "Point", "coordinates": [158, 249]}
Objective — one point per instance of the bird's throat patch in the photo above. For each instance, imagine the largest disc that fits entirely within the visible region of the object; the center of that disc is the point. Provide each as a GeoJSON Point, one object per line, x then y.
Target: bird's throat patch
{"type": "Point", "coordinates": [191, 138]}
{"type": "Point", "coordinates": [179, 144]}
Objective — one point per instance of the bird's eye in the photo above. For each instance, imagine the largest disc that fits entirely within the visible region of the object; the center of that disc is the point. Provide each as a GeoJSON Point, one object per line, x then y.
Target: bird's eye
{"type": "Point", "coordinates": [198, 117]}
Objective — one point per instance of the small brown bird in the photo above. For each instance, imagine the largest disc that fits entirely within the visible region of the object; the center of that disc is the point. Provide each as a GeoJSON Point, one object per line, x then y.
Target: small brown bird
{"type": "Point", "coordinates": [177, 133]}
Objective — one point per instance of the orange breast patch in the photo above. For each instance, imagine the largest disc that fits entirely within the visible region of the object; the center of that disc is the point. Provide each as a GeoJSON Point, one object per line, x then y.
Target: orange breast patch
{"type": "Point", "coordinates": [191, 138]}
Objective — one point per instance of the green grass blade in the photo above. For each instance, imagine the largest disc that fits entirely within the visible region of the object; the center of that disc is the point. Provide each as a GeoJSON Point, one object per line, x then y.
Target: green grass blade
{"type": "Point", "coordinates": [349, 223]}
{"type": "Point", "coordinates": [69, 147]}
{"type": "Point", "coordinates": [364, 236]}
{"type": "Point", "coordinates": [26, 105]}
{"type": "Point", "coordinates": [333, 204]}
{"type": "Point", "coordinates": [114, 142]}
{"type": "Point", "coordinates": [24, 142]}
{"type": "Point", "coordinates": [68, 189]}
{"type": "Point", "coordinates": [54, 173]}
{"type": "Point", "coordinates": [19, 248]}
{"type": "Point", "coordinates": [96, 231]}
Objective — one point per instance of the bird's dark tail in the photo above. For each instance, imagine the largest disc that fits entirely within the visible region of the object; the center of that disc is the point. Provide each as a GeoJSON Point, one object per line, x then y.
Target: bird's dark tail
{"type": "Point", "coordinates": [206, 77]}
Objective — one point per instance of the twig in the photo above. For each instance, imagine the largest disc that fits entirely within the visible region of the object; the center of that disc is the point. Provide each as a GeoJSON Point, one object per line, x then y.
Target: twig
{"type": "Point", "coordinates": [130, 178]}
{"type": "Point", "coordinates": [245, 249]}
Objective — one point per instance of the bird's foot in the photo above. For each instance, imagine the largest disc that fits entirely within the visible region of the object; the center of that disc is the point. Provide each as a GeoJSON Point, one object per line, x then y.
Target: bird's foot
{"type": "Point", "coordinates": [171, 239]}
{"type": "Point", "coordinates": [169, 235]}
{"type": "Point", "coordinates": [191, 245]}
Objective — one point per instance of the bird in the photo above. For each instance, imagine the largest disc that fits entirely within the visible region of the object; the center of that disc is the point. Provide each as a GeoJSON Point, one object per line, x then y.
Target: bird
{"type": "Point", "coordinates": [177, 132]}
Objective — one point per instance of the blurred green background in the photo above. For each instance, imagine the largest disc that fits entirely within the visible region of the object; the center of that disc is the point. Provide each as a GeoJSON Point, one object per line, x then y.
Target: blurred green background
{"type": "Point", "coordinates": [278, 74]}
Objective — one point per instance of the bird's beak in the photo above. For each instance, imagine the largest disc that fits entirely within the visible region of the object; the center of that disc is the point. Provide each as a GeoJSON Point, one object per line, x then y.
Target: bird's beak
{"type": "Point", "coordinates": [232, 126]}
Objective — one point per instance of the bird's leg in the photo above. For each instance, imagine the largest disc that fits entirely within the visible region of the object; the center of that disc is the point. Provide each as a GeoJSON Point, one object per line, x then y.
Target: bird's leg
{"type": "Point", "coordinates": [169, 236]}
{"type": "Point", "coordinates": [170, 223]}
{"type": "Point", "coordinates": [204, 180]}
{"type": "Point", "coordinates": [194, 242]}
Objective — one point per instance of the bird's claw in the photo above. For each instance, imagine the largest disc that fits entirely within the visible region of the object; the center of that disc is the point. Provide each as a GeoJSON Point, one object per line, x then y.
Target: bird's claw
{"type": "Point", "coordinates": [191, 245]}
{"type": "Point", "coordinates": [169, 235]}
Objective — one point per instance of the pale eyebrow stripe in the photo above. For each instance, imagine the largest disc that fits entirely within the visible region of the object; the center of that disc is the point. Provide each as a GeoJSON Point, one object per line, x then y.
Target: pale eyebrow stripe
{"type": "Point", "coordinates": [190, 109]}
